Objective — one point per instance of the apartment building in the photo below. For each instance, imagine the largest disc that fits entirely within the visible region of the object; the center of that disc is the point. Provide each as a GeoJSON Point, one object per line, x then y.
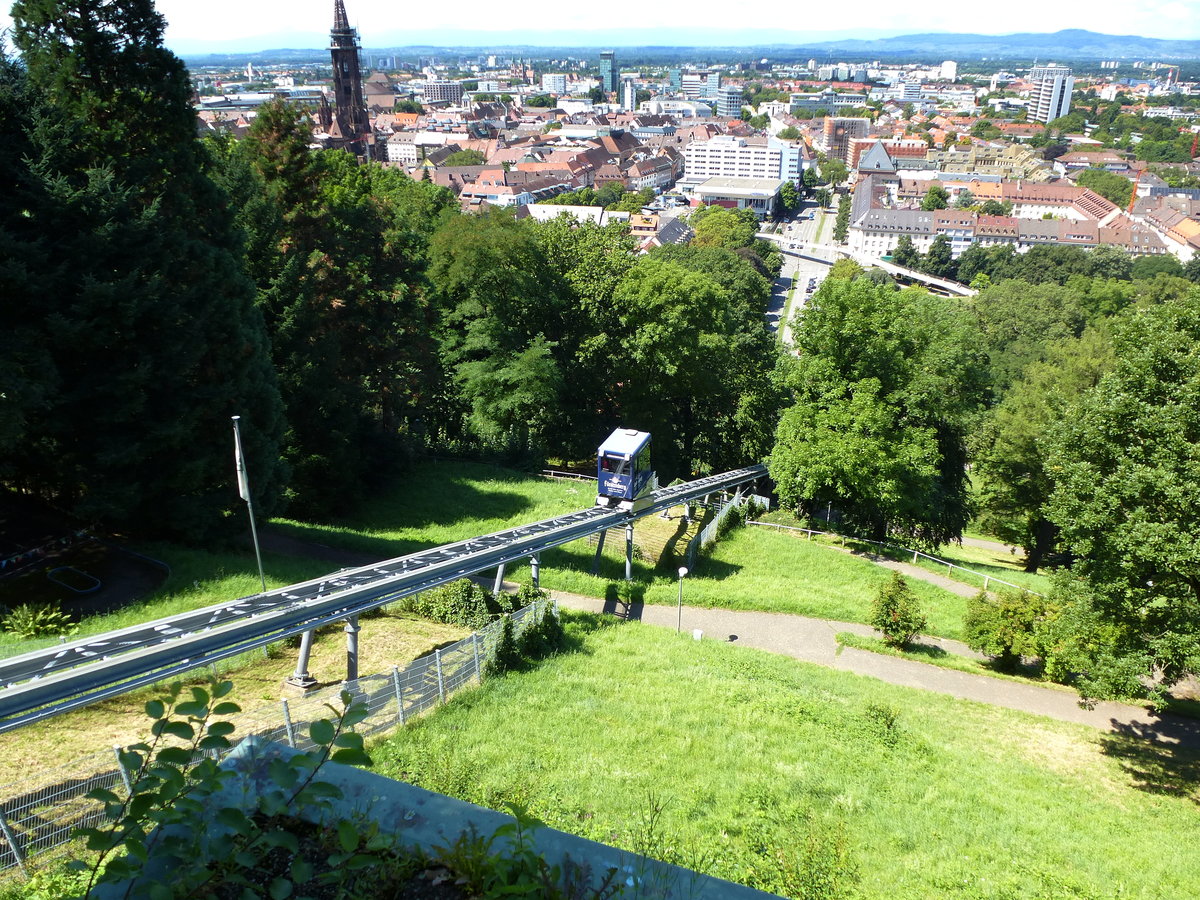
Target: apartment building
{"type": "Point", "coordinates": [554, 84]}
{"type": "Point", "coordinates": [1050, 98]}
{"type": "Point", "coordinates": [727, 156]}
{"type": "Point", "coordinates": [729, 101]}
{"type": "Point", "coordinates": [443, 92]}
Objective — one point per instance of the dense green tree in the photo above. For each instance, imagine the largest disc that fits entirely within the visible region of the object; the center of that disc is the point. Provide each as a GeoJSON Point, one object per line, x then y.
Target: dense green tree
{"type": "Point", "coordinates": [811, 178]}
{"type": "Point", "coordinates": [846, 269]}
{"type": "Point", "coordinates": [1145, 268]}
{"type": "Point", "coordinates": [841, 227]}
{"type": "Point", "coordinates": [1049, 263]}
{"type": "Point", "coordinates": [1109, 185]}
{"type": "Point", "coordinates": [337, 252]}
{"type": "Point", "coordinates": [937, 197]}
{"type": "Point", "coordinates": [609, 193]}
{"type": "Point", "coordinates": [789, 197]}
{"type": "Point", "coordinates": [633, 201]}
{"type": "Point", "coordinates": [995, 208]}
{"type": "Point", "coordinates": [833, 171]}
{"type": "Point", "coordinates": [964, 200]}
{"type": "Point", "coordinates": [1018, 322]}
{"type": "Point", "coordinates": [823, 196]}
{"type": "Point", "coordinates": [503, 312]}
{"type": "Point", "coordinates": [591, 261]}
{"type": "Point", "coordinates": [1013, 481]}
{"type": "Point", "coordinates": [1110, 261]}
{"type": "Point", "coordinates": [939, 259]}
{"type": "Point", "coordinates": [884, 386]}
{"type": "Point", "coordinates": [27, 370]}
{"type": "Point", "coordinates": [409, 106]}
{"type": "Point", "coordinates": [791, 133]}
{"type": "Point", "coordinates": [1163, 151]}
{"type": "Point", "coordinates": [695, 367]}
{"type": "Point", "coordinates": [1191, 269]}
{"type": "Point", "coordinates": [151, 329]}
{"type": "Point", "coordinates": [718, 226]}
{"type": "Point", "coordinates": [544, 101]}
{"type": "Point", "coordinates": [1127, 499]}
{"type": "Point", "coordinates": [905, 254]}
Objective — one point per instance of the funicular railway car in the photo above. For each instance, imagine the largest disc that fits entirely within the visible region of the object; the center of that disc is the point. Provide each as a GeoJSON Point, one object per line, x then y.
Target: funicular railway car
{"type": "Point", "coordinates": [623, 470]}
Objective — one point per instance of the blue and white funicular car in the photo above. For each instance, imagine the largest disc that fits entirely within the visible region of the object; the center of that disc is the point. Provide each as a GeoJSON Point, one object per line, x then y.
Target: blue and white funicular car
{"type": "Point", "coordinates": [625, 476]}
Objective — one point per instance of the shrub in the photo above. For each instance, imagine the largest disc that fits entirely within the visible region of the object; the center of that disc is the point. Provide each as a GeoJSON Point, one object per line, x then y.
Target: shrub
{"type": "Point", "coordinates": [507, 657]}
{"type": "Point", "coordinates": [544, 638]}
{"type": "Point", "coordinates": [461, 602]}
{"type": "Point", "coordinates": [35, 620]}
{"type": "Point", "coordinates": [1006, 628]}
{"type": "Point", "coordinates": [895, 612]}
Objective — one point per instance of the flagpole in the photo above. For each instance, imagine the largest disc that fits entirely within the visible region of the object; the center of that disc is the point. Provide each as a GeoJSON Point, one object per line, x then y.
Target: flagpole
{"type": "Point", "coordinates": [244, 491]}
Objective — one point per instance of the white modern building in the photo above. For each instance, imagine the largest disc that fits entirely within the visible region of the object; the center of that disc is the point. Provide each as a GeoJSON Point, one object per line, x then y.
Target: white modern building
{"type": "Point", "coordinates": [759, 195]}
{"type": "Point", "coordinates": [443, 92]}
{"type": "Point", "coordinates": [628, 94]}
{"type": "Point", "coordinates": [1050, 98]}
{"type": "Point", "coordinates": [554, 84]}
{"type": "Point", "coordinates": [727, 156]}
{"type": "Point", "coordinates": [729, 101]}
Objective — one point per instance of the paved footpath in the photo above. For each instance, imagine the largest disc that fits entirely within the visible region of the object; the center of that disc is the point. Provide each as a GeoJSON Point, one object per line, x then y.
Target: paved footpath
{"type": "Point", "coordinates": [812, 640]}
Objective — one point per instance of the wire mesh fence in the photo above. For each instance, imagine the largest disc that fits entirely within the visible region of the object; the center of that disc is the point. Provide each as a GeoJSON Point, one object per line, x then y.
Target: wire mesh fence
{"type": "Point", "coordinates": [710, 531]}
{"type": "Point", "coordinates": [42, 813]}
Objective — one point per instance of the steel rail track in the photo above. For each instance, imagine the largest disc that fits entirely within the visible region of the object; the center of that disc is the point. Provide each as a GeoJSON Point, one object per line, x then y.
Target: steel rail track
{"type": "Point", "coordinates": [53, 680]}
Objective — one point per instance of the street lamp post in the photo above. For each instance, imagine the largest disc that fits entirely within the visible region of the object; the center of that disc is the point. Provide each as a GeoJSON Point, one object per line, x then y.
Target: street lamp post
{"type": "Point", "coordinates": [679, 623]}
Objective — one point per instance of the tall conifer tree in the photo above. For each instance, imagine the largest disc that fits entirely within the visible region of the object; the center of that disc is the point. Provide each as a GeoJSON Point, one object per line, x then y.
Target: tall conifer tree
{"type": "Point", "coordinates": [27, 373]}
{"type": "Point", "coordinates": [151, 322]}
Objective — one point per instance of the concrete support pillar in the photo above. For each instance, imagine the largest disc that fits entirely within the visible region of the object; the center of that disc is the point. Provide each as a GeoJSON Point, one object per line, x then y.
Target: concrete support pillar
{"type": "Point", "coordinates": [535, 565]}
{"type": "Point", "coordinates": [301, 678]}
{"type": "Point", "coordinates": [599, 550]}
{"type": "Point", "coordinates": [499, 585]}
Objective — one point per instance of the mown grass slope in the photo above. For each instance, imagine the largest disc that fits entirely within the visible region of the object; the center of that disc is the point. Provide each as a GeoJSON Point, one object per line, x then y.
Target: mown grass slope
{"type": "Point", "coordinates": [811, 782]}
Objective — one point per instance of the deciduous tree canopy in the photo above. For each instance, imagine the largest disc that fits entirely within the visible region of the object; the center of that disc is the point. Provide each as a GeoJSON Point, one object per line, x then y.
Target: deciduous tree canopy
{"type": "Point", "coordinates": [1127, 499]}
{"type": "Point", "coordinates": [883, 387]}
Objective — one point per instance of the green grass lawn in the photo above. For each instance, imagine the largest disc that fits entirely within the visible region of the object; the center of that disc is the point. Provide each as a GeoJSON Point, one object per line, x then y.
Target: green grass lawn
{"type": "Point", "coordinates": [198, 578]}
{"type": "Point", "coordinates": [442, 502]}
{"type": "Point", "coordinates": [759, 569]}
{"type": "Point", "coordinates": [770, 772]}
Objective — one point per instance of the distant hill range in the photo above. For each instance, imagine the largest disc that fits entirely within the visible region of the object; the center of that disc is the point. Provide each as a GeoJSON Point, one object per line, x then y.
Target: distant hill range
{"type": "Point", "coordinates": [1072, 43]}
{"type": "Point", "coordinates": [700, 43]}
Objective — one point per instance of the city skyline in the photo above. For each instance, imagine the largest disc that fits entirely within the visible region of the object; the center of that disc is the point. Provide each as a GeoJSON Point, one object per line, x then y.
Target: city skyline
{"type": "Point", "coordinates": [230, 26]}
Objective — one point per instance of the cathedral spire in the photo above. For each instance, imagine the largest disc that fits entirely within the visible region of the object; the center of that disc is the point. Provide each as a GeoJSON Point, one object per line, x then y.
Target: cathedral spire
{"type": "Point", "coordinates": [341, 22]}
{"type": "Point", "coordinates": [352, 124]}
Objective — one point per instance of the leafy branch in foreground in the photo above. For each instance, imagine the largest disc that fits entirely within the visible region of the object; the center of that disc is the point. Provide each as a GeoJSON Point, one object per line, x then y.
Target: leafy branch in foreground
{"type": "Point", "coordinates": [151, 844]}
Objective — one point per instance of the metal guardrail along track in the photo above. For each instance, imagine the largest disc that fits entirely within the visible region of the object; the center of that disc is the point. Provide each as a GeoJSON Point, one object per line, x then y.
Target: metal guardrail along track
{"type": "Point", "coordinates": [66, 676]}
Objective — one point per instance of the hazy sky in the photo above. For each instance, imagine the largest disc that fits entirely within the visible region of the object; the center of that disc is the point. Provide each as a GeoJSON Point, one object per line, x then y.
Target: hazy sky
{"type": "Point", "coordinates": [215, 19]}
{"type": "Point", "coordinates": [193, 24]}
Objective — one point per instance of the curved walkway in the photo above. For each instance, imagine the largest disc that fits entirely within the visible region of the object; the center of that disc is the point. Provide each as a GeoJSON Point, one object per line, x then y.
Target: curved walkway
{"type": "Point", "coordinates": [813, 640]}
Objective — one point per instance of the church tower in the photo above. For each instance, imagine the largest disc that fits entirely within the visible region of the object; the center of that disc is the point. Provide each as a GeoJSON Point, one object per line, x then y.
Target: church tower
{"type": "Point", "coordinates": [351, 127]}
